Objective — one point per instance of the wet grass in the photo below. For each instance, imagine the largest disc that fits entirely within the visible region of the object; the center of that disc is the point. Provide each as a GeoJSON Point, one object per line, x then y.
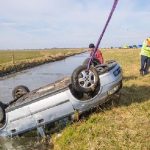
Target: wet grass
{"type": "Point", "coordinates": [17, 60]}
{"type": "Point", "coordinates": [124, 123]}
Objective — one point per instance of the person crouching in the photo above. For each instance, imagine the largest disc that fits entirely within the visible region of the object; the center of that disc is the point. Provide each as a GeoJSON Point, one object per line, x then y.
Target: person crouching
{"type": "Point", "coordinates": [98, 55]}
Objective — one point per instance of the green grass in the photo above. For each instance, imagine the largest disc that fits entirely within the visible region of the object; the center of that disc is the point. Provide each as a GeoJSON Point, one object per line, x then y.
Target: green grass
{"type": "Point", "coordinates": [17, 60]}
{"type": "Point", "coordinates": [124, 124]}
{"type": "Point", "coordinates": [6, 56]}
{"type": "Point", "coordinates": [21, 55]}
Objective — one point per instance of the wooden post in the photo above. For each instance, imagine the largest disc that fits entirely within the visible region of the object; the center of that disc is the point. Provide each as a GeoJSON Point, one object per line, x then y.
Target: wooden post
{"type": "Point", "coordinates": [13, 58]}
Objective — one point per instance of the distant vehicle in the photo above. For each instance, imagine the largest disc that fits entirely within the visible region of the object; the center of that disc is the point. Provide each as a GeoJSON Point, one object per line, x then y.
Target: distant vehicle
{"type": "Point", "coordinates": [30, 110]}
{"type": "Point", "coordinates": [139, 46]}
{"type": "Point", "coordinates": [134, 46]}
{"type": "Point", "coordinates": [130, 46]}
{"type": "Point", "coordinates": [125, 46]}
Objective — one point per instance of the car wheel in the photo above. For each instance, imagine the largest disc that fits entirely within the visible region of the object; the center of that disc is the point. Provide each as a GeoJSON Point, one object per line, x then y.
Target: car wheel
{"type": "Point", "coordinates": [94, 62]}
{"type": "Point", "coordinates": [2, 113]}
{"type": "Point", "coordinates": [102, 69]}
{"type": "Point", "coordinates": [84, 80]}
{"type": "Point", "coordinates": [110, 61]}
{"type": "Point", "coordinates": [19, 91]}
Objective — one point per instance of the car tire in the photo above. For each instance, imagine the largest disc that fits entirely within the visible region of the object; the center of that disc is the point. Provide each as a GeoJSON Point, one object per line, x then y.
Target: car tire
{"type": "Point", "coordinates": [110, 61]}
{"type": "Point", "coordinates": [94, 62]}
{"type": "Point", "coordinates": [19, 91]}
{"type": "Point", "coordinates": [102, 69]}
{"type": "Point", "coordinates": [2, 113]}
{"type": "Point", "coordinates": [84, 80]}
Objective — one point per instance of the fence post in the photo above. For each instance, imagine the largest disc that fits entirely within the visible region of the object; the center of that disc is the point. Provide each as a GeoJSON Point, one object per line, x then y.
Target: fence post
{"type": "Point", "coordinates": [13, 58]}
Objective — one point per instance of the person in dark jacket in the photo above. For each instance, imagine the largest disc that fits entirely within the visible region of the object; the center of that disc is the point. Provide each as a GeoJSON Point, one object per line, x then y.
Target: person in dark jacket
{"type": "Point", "coordinates": [98, 54]}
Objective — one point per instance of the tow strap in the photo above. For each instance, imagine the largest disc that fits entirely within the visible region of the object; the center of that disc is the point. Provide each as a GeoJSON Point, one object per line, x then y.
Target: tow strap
{"type": "Point", "coordinates": [103, 31]}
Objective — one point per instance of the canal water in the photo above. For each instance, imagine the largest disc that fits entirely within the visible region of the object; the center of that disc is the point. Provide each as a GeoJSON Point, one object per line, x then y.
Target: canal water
{"type": "Point", "coordinates": [40, 76]}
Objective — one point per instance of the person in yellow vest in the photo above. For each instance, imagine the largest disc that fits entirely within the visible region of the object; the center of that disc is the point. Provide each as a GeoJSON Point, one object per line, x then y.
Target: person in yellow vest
{"type": "Point", "coordinates": [145, 57]}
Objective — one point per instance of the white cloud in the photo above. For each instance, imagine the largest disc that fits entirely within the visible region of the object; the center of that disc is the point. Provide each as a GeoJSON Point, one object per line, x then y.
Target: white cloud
{"type": "Point", "coordinates": [70, 23]}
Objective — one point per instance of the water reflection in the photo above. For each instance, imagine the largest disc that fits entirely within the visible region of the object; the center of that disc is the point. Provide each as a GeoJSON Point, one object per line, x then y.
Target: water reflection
{"type": "Point", "coordinates": [32, 140]}
{"type": "Point", "coordinates": [25, 143]}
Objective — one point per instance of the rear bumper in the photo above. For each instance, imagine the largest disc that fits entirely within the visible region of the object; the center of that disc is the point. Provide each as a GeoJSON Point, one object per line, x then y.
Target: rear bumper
{"type": "Point", "coordinates": [115, 89]}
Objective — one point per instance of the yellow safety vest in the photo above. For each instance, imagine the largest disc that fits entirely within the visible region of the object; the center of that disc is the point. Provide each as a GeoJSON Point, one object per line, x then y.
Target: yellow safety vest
{"type": "Point", "coordinates": [145, 51]}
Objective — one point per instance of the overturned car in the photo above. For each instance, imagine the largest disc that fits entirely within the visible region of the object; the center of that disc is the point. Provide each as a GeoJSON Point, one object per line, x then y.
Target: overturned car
{"type": "Point", "coordinates": [84, 90]}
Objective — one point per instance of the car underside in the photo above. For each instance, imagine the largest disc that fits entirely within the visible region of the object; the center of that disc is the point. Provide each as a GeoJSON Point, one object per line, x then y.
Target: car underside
{"type": "Point", "coordinates": [55, 101]}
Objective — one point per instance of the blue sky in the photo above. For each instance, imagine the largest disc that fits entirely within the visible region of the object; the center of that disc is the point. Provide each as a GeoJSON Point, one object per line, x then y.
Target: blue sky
{"type": "Point", "coordinates": [71, 23]}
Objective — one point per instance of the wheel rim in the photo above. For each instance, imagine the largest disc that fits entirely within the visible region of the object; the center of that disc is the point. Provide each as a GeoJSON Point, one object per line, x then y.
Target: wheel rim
{"type": "Point", "coordinates": [87, 79]}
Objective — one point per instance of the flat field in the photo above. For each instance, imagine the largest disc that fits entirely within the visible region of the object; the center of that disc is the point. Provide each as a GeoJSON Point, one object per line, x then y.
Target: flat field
{"type": "Point", "coordinates": [123, 124]}
{"type": "Point", "coordinates": [17, 60]}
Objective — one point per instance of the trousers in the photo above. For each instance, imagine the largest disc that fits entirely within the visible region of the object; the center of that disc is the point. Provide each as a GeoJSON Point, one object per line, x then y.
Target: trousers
{"type": "Point", "coordinates": [145, 64]}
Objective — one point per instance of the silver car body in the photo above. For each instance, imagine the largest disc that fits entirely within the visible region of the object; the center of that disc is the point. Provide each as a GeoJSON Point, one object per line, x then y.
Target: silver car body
{"type": "Point", "coordinates": [53, 102]}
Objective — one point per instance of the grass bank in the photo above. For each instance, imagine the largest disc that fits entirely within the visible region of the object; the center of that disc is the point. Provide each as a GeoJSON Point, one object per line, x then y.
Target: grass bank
{"type": "Point", "coordinates": [17, 60]}
{"type": "Point", "coordinates": [123, 124]}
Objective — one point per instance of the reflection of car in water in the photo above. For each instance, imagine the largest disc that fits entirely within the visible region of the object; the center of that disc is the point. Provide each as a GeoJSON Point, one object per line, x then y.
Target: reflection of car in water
{"type": "Point", "coordinates": [34, 109]}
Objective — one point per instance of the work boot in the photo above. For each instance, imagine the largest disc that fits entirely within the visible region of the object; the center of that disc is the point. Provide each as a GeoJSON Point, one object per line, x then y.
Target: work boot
{"type": "Point", "coordinates": [145, 72]}
{"type": "Point", "coordinates": [142, 73]}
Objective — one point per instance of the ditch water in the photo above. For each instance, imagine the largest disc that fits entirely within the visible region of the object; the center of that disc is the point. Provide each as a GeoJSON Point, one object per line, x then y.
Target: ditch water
{"type": "Point", "coordinates": [39, 76]}
{"type": "Point", "coordinates": [35, 78]}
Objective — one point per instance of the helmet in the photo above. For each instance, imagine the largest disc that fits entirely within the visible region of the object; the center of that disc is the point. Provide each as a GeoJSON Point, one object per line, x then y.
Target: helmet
{"type": "Point", "coordinates": [91, 45]}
